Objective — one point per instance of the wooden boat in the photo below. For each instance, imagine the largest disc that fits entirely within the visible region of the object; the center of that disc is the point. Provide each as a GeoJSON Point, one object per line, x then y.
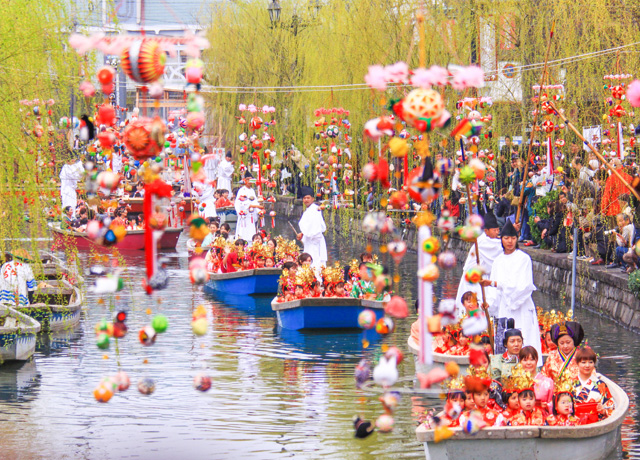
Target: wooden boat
{"type": "Point", "coordinates": [587, 442]}
{"type": "Point", "coordinates": [53, 268]}
{"type": "Point", "coordinates": [246, 282]}
{"type": "Point", "coordinates": [323, 312]}
{"type": "Point", "coordinates": [17, 335]}
{"type": "Point", "coordinates": [134, 239]}
{"type": "Point", "coordinates": [57, 306]}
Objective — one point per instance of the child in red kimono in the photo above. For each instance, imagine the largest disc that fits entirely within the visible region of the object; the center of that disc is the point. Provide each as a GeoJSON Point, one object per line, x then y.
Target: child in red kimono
{"type": "Point", "coordinates": [530, 414]}
{"type": "Point", "coordinates": [462, 348]}
{"type": "Point", "coordinates": [491, 417]}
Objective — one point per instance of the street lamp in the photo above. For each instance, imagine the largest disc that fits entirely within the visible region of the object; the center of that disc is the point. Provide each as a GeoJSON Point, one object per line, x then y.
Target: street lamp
{"type": "Point", "coordinates": [274, 11]}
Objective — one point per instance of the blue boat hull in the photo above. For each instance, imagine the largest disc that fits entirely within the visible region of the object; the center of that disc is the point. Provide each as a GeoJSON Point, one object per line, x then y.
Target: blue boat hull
{"type": "Point", "coordinates": [259, 281]}
{"type": "Point", "coordinates": [324, 314]}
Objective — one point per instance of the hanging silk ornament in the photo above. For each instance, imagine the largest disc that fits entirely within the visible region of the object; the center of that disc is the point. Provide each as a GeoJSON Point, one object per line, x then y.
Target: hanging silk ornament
{"type": "Point", "coordinates": [144, 138]}
{"type": "Point", "coordinates": [424, 183]}
{"type": "Point", "coordinates": [143, 61]}
{"type": "Point", "coordinates": [422, 109]}
{"type": "Point", "coordinates": [548, 126]}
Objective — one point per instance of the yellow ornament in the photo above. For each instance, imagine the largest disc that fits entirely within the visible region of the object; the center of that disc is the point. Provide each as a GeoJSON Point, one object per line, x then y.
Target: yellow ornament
{"type": "Point", "coordinates": [399, 147]}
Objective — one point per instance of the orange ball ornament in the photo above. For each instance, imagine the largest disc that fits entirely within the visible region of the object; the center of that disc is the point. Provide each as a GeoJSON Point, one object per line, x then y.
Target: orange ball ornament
{"type": "Point", "coordinates": [422, 104]}
{"type": "Point", "coordinates": [143, 61]}
{"type": "Point", "coordinates": [102, 393]}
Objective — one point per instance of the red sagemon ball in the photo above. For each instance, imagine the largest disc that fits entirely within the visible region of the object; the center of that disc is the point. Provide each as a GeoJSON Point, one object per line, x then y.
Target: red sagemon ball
{"type": "Point", "coordinates": [106, 114]}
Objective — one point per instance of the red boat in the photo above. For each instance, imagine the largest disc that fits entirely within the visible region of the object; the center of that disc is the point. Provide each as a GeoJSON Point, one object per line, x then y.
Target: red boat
{"type": "Point", "coordinates": [134, 240]}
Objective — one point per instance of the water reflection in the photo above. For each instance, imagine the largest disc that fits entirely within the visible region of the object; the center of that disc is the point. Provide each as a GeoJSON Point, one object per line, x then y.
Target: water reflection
{"type": "Point", "coordinates": [276, 393]}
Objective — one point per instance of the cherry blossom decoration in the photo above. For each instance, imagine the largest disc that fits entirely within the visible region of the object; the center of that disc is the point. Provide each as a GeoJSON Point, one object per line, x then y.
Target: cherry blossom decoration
{"type": "Point", "coordinates": [399, 73]}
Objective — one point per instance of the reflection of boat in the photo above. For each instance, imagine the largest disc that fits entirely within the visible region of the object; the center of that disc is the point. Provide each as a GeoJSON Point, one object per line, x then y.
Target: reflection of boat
{"type": "Point", "coordinates": [228, 215]}
{"type": "Point", "coordinates": [586, 442]}
{"type": "Point", "coordinates": [57, 305]}
{"type": "Point", "coordinates": [259, 305]}
{"type": "Point", "coordinates": [323, 312]}
{"type": "Point", "coordinates": [196, 252]}
{"type": "Point", "coordinates": [17, 380]}
{"type": "Point", "coordinates": [53, 342]}
{"type": "Point", "coordinates": [17, 335]}
{"type": "Point", "coordinates": [246, 282]}
{"type": "Point", "coordinates": [134, 239]}
{"type": "Point", "coordinates": [340, 342]}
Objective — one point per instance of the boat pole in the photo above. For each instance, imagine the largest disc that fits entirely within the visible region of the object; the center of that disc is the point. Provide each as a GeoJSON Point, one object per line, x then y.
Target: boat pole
{"type": "Point", "coordinates": [484, 297]}
{"type": "Point", "coordinates": [573, 270]}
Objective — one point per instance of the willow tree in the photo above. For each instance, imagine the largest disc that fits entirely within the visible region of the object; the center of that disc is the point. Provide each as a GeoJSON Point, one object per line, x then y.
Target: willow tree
{"type": "Point", "coordinates": [35, 64]}
{"type": "Point", "coordinates": [336, 44]}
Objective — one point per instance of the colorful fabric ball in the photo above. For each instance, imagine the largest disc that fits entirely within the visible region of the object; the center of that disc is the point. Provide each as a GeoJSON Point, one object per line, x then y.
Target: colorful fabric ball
{"type": "Point", "coordinates": [202, 382]}
{"type": "Point", "coordinates": [431, 245]}
{"type": "Point", "coordinates": [385, 325]}
{"type": "Point", "coordinates": [102, 393]}
{"type": "Point", "coordinates": [143, 61]}
{"type": "Point", "coordinates": [430, 273]}
{"type": "Point", "coordinates": [146, 386]}
{"type": "Point", "coordinates": [160, 323]}
{"type": "Point", "coordinates": [447, 260]}
{"type": "Point", "coordinates": [474, 274]}
{"type": "Point", "coordinates": [367, 319]}
{"type": "Point", "coordinates": [147, 336]}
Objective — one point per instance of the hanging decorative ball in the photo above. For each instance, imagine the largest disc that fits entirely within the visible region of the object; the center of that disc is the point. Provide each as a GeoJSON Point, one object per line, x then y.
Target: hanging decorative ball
{"type": "Point", "coordinates": [367, 319]}
{"type": "Point", "coordinates": [431, 245]}
{"type": "Point", "coordinates": [447, 222]}
{"type": "Point", "coordinates": [146, 386]}
{"type": "Point", "coordinates": [102, 341]}
{"type": "Point", "coordinates": [106, 74]}
{"type": "Point", "coordinates": [193, 71]}
{"type": "Point", "coordinates": [397, 250]}
{"type": "Point", "coordinates": [474, 274]}
{"type": "Point", "coordinates": [384, 423]}
{"type": "Point", "coordinates": [385, 325]}
{"type": "Point", "coordinates": [447, 260]}
{"type": "Point", "coordinates": [256, 123]}
{"type": "Point", "coordinates": [147, 336]}
{"type": "Point", "coordinates": [478, 167]}
{"type": "Point", "coordinates": [143, 61]}
{"type": "Point", "coordinates": [122, 380]}
{"type": "Point", "coordinates": [398, 147]}
{"type": "Point", "coordinates": [470, 233]}
{"type": "Point", "coordinates": [475, 220]}
{"type": "Point", "coordinates": [202, 382]}
{"type": "Point", "coordinates": [430, 273]}
{"type": "Point", "coordinates": [422, 109]}
{"type": "Point", "coordinates": [444, 166]}
{"type": "Point", "coordinates": [160, 323]}
{"type": "Point", "coordinates": [398, 200]}
{"type": "Point", "coordinates": [618, 91]}
{"type": "Point", "coordinates": [144, 138]}
{"type": "Point", "coordinates": [396, 307]}
{"type": "Point", "coordinates": [467, 175]}
{"type": "Point", "coordinates": [548, 126]}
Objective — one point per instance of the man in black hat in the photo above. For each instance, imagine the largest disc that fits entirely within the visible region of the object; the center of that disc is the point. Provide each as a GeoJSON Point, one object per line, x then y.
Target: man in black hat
{"type": "Point", "coordinates": [510, 286]}
{"type": "Point", "coordinates": [312, 227]}
{"type": "Point", "coordinates": [490, 247]}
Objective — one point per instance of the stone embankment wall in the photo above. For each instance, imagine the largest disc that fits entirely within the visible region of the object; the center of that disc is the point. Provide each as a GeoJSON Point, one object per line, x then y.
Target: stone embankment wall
{"type": "Point", "coordinates": [597, 289]}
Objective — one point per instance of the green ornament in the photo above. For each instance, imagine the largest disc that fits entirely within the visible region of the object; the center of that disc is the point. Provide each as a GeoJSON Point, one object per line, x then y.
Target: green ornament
{"type": "Point", "coordinates": [467, 175]}
{"type": "Point", "coordinates": [160, 323]}
{"type": "Point", "coordinates": [103, 326]}
{"type": "Point", "coordinates": [167, 144]}
{"type": "Point", "coordinates": [102, 341]}
{"type": "Point", "coordinates": [158, 159]}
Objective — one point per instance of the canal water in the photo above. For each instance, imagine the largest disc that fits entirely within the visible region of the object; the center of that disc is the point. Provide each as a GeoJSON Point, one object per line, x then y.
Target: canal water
{"type": "Point", "coordinates": [275, 394]}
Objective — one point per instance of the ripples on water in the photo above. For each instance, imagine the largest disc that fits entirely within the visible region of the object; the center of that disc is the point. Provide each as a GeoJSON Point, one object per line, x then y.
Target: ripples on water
{"type": "Point", "coordinates": [275, 393]}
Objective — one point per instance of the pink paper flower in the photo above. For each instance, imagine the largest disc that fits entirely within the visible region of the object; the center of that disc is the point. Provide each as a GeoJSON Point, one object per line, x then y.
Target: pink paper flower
{"type": "Point", "coordinates": [439, 75]}
{"type": "Point", "coordinates": [252, 108]}
{"type": "Point", "coordinates": [468, 77]}
{"type": "Point", "coordinates": [421, 78]}
{"type": "Point", "coordinates": [397, 73]}
{"type": "Point", "coordinates": [87, 89]}
{"type": "Point", "coordinates": [242, 107]}
{"type": "Point", "coordinates": [633, 93]}
{"type": "Point", "coordinates": [376, 78]}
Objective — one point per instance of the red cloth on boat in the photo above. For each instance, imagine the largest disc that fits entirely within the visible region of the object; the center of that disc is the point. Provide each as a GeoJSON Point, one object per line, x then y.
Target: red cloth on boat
{"type": "Point", "coordinates": [229, 262]}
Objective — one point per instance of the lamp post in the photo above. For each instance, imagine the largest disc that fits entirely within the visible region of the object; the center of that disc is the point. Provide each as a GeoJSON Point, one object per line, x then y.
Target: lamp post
{"type": "Point", "coordinates": [274, 11]}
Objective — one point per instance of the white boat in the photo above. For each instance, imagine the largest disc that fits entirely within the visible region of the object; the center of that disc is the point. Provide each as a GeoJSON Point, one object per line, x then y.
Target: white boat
{"type": "Point", "coordinates": [438, 359]}
{"type": "Point", "coordinates": [17, 335]}
{"type": "Point", "coordinates": [57, 305]}
{"type": "Point", "coordinates": [587, 442]}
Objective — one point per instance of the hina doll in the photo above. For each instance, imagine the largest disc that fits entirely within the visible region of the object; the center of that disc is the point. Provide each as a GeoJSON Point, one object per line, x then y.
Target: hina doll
{"type": "Point", "coordinates": [454, 406]}
{"type": "Point", "coordinates": [510, 396]}
{"type": "Point", "coordinates": [563, 404]}
{"type": "Point", "coordinates": [462, 347]}
{"type": "Point", "coordinates": [478, 385]}
{"type": "Point", "coordinates": [567, 336]}
{"type": "Point", "coordinates": [529, 413]}
{"type": "Point", "coordinates": [589, 386]}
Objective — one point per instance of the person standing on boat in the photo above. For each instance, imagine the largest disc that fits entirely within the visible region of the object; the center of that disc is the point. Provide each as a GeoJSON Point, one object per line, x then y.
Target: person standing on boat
{"type": "Point", "coordinates": [490, 247]}
{"type": "Point", "coordinates": [17, 282]}
{"type": "Point", "coordinates": [312, 227]}
{"type": "Point", "coordinates": [225, 172]}
{"type": "Point", "coordinates": [247, 207]}
{"type": "Point", "coordinates": [70, 174]}
{"type": "Point", "coordinates": [510, 288]}
{"type": "Point", "coordinates": [208, 201]}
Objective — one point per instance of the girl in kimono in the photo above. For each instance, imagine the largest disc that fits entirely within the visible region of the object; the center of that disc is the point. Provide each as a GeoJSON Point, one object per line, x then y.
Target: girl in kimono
{"type": "Point", "coordinates": [589, 386]}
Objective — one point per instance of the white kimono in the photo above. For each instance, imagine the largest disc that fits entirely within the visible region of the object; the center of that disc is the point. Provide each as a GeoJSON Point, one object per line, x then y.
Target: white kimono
{"type": "Point", "coordinates": [69, 177]}
{"type": "Point", "coordinates": [225, 172]}
{"type": "Point", "coordinates": [16, 280]}
{"type": "Point", "coordinates": [312, 227]}
{"type": "Point", "coordinates": [512, 297]}
{"type": "Point", "coordinates": [207, 198]}
{"type": "Point", "coordinates": [490, 248]}
{"type": "Point", "coordinates": [211, 168]}
{"type": "Point", "coordinates": [247, 219]}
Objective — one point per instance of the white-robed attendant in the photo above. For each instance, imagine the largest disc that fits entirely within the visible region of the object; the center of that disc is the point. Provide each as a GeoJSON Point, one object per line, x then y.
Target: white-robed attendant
{"type": "Point", "coordinates": [17, 282]}
{"type": "Point", "coordinates": [247, 207]}
{"type": "Point", "coordinates": [225, 173]}
{"type": "Point", "coordinates": [312, 227]}
{"type": "Point", "coordinates": [70, 174]}
{"type": "Point", "coordinates": [116, 161]}
{"type": "Point", "coordinates": [211, 166]}
{"type": "Point", "coordinates": [510, 287]}
{"type": "Point", "coordinates": [489, 247]}
{"type": "Point", "coordinates": [208, 200]}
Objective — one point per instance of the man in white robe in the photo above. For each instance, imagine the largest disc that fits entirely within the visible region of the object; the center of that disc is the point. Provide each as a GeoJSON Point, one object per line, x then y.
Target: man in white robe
{"type": "Point", "coordinates": [225, 173]}
{"type": "Point", "coordinates": [490, 247]}
{"type": "Point", "coordinates": [207, 199]}
{"type": "Point", "coordinates": [211, 166]}
{"type": "Point", "coordinates": [247, 207]}
{"type": "Point", "coordinates": [312, 227]}
{"type": "Point", "coordinates": [510, 287]}
{"type": "Point", "coordinates": [69, 176]}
